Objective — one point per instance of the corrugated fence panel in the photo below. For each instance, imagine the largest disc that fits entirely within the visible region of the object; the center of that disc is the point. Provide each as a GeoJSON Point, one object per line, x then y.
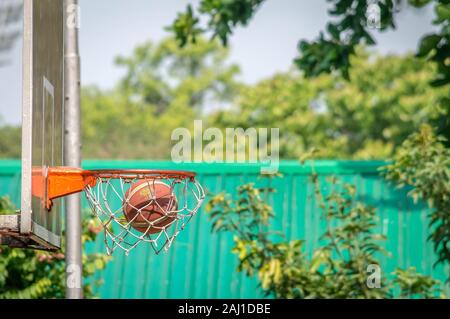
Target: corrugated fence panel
{"type": "Point", "coordinates": [200, 264]}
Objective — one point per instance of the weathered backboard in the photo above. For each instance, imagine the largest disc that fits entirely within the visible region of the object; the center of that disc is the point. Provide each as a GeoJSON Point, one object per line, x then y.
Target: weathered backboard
{"type": "Point", "coordinates": [42, 121]}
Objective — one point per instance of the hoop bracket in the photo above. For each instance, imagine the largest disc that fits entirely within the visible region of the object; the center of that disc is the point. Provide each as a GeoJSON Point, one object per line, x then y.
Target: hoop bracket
{"type": "Point", "coordinates": [58, 182]}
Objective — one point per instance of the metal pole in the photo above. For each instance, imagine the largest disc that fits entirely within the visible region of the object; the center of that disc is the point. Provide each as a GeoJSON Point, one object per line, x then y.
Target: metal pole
{"type": "Point", "coordinates": [72, 151]}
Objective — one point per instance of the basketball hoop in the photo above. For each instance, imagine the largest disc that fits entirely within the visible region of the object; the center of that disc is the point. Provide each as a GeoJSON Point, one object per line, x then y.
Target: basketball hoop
{"type": "Point", "coordinates": [133, 206]}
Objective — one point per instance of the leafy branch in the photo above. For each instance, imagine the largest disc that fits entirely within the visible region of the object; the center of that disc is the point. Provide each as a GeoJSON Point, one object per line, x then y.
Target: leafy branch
{"type": "Point", "coordinates": [27, 273]}
{"type": "Point", "coordinates": [337, 269]}
{"type": "Point", "coordinates": [423, 163]}
{"type": "Point", "coordinates": [333, 49]}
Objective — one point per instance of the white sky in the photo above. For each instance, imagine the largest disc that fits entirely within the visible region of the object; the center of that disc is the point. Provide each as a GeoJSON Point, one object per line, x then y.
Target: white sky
{"type": "Point", "coordinates": [268, 45]}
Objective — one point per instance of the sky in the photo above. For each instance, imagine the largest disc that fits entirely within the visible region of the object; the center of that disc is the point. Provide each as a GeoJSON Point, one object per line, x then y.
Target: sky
{"type": "Point", "coordinates": [268, 45]}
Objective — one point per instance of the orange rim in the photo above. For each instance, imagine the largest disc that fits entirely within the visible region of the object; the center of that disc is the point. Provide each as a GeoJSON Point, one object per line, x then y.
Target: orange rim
{"type": "Point", "coordinates": [63, 181]}
{"type": "Point", "coordinates": [139, 173]}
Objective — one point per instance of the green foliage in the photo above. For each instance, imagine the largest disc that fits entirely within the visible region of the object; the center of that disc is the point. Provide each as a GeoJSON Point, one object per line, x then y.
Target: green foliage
{"type": "Point", "coordinates": [415, 285]}
{"type": "Point", "coordinates": [223, 17]}
{"type": "Point", "coordinates": [333, 51]}
{"type": "Point", "coordinates": [436, 46]}
{"type": "Point", "coordinates": [352, 240]}
{"type": "Point", "coordinates": [6, 206]}
{"type": "Point", "coordinates": [334, 48]}
{"type": "Point", "coordinates": [337, 269]}
{"type": "Point", "coordinates": [26, 273]}
{"type": "Point", "coordinates": [161, 77]}
{"type": "Point", "coordinates": [368, 117]}
{"type": "Point", "coordinates": [324, 56]}
{"type": "Point", "coordinates": [10, 141]}
{"type": "Point", "coordinates": [423, 163]}
{"type": "Point", "coordinates": [164, 88]}
{"type": "Point", "coordinates": [185, 27]}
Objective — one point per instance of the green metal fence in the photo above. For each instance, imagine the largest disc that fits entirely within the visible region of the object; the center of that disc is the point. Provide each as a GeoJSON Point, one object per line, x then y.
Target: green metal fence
{"type": "Point", "coordinates": [200, 264]}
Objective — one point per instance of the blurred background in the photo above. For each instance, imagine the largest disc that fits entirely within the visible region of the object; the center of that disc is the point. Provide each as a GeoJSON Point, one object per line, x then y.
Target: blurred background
{"type": "Point", "coordinates": [347, 100]}
{"type": "Point", "coordinates": [114, 33]}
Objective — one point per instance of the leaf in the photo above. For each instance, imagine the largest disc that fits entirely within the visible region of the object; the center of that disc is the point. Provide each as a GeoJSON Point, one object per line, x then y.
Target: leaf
{"type": "Point", "coordinates": [443, 12]}
{"type": "Point", "coordinates": [99, 263]}
{"type": "Point", "coordinates": [419, 3]}
{"type": "Point", "coordinates": [333, 30]}
{"type": "Point", "coordinates": [319, 257]}
{"type": "Point", "coordinates": [427, 44]}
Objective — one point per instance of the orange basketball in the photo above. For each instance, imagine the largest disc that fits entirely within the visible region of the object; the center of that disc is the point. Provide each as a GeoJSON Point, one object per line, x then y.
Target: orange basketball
{"type": "Point", "coordinates": [147, 201]}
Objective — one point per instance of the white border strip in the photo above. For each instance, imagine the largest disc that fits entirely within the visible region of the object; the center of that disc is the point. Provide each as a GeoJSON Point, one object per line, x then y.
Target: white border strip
{"type": "Point", "coordinates": [46, 235]}
{"type": "Point", "coordinates": [27, 117]}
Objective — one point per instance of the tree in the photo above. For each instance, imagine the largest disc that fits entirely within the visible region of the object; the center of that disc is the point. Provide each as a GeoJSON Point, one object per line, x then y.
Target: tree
{"type": "Point", "coordinates": [337, 269]}
{"type": "Point", "coordinates": [423, 163]}
{"type": "Point", "coordinates": [332, 50]}
{"type": "Point", "coordinates": [165, 87]}
{"type": "Point", "coordinates": [366, 118]}
{"type": "Point", "coordinates": [10, 143]}
{"type": "Point", "coordinates": [163, 75]}
{"type": "Point", "coordinates": [10, 16]}
{"type": "Point", "coordinates": [26, 273]}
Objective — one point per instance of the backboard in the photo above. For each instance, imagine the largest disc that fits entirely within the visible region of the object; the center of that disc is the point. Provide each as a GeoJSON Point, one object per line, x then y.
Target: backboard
{"type": "Point", "coordinates": [42, 120]}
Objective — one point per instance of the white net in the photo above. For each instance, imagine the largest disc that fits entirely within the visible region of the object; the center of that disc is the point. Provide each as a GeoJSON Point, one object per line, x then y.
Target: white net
{"type": "Point", "coordinates": [143, 208]}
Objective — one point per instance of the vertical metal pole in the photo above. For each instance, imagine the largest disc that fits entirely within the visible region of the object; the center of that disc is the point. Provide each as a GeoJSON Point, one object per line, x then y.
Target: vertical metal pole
{"type": "Point", "coordinates": [72, 151]}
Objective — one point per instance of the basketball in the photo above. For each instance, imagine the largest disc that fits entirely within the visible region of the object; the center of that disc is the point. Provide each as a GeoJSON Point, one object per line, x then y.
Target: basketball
{"type": "Point", "coordinates": [149, 201]}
